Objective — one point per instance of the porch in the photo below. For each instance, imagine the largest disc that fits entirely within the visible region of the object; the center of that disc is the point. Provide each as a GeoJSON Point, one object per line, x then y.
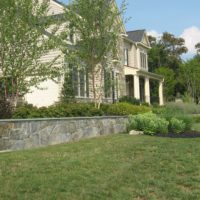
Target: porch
{"type": "Point", "coordinates": [138, 86]}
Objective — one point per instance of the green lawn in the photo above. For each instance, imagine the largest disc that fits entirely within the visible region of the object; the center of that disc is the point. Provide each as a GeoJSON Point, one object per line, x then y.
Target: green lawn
{"type": "Point", "coordinates": [115, 167]}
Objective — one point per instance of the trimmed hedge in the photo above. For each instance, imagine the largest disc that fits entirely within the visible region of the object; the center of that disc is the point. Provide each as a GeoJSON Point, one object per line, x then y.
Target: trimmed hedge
{"type": "Point", "coordinates": [60, 110]}
{"type": "Point", "coordinates": [124, 109]}
{"type": "Point", "coordinates": [129, 99]}
{"type": "Point", "coordinates": [77, 110]}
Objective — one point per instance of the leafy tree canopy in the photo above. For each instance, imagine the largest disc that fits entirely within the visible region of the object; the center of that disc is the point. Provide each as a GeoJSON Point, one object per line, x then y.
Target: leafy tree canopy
{"type": "Point", "coordinates": [23, 24]}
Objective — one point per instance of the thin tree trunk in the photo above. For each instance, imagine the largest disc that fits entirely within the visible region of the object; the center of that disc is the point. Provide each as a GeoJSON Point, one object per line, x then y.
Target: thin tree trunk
{"type": "Point", "coordinates": [94, 88]}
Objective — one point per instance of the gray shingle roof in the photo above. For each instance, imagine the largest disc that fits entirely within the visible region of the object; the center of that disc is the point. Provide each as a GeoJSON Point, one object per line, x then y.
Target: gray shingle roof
{"type": "Point", "coordinates": [136, 35]}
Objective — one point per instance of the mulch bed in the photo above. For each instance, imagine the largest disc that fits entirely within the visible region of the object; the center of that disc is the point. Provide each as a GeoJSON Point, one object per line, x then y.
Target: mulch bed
{"type": "Point", "coordinates": [189, 134]}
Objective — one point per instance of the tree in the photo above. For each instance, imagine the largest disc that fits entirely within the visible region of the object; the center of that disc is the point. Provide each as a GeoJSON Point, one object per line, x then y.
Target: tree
{"type": "Point", "coordinates": [169, 81]}
{"type": "Point", "coordinates": [157, 56]}
{"type": "Point", "coordinates": [98, 26]}
{"type": "Point", "coordinates": [166, 51]}
{"type": "Point", "coordinates": [197, 47]}
{"type": "Point", "coordinates": [67, 93]}
{"type": "Point", "coordinates": [190, 76]}
{"type": "Point", "coordinates": [23, 24]}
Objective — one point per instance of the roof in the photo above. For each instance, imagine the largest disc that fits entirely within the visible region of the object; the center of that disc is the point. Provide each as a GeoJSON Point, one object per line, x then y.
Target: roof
{"type": "Point", "coordinates": [136, 35]}
{"type": "Point", "coordinates": [58, 2]}
{"type": "Point", "coordinates": [150, 75]}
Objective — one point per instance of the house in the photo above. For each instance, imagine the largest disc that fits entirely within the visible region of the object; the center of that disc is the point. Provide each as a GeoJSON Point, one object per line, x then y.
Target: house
{"type": "Point", "coordinates": [131, 75]}
{"type": "Point", "coordinates": [137, 75]}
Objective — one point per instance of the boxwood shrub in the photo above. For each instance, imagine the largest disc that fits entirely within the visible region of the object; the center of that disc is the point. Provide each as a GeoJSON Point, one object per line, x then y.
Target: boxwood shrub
{"type": "Point", "coordinates": [129, 99]}
{"type": "Point", "coordinates": [77, 110]}
{"type": "Point", "coordinates": [59, 110]}
{"type": "Point", "coordinates": [124, 109]}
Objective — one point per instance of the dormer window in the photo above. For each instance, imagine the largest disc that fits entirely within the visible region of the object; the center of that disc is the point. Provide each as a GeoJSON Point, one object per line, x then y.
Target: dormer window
{"type": "Point", "coordinates": [126, 57]}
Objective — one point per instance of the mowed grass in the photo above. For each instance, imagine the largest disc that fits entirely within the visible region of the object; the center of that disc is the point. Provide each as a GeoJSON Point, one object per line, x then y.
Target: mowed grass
{"type": "Point", "coordinates": [115, 167]}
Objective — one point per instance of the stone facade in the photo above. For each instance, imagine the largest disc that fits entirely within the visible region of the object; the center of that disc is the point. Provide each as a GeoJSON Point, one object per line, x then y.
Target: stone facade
{"type": "Point", "coordinates": [25, 134]}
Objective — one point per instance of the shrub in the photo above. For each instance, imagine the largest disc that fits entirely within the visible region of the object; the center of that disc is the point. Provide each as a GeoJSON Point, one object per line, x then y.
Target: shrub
{"type": "Point", "coordinates": [124, 109]}
{"type": "Point", "coordinates": [176, 125]}
{"type": "Point", "coordinates": [187, 108]}
{"type": "Point", "coordinates": [59, 110]}
{"type": "Point", "coordinates": [196, 119]}
{"type": "Point", "coordinates": [129, 99]}
{"type": "Point", "coordinates": [5, 109]}
{"type": "Point", "coordinates": [169, 112]}
{"type": "Point", "coordinates": [187, 120]}
{"type": "Point", "coordinates": [149, 123]}
{"type": "Point", "coordinates": [24, 111]}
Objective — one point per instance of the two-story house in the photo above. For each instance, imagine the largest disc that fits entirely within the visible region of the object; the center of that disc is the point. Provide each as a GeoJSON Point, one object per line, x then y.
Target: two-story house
{"type": "Point", "coordinates": [131, 77]}
{"type": "Point", "coordinates": [137, 75]}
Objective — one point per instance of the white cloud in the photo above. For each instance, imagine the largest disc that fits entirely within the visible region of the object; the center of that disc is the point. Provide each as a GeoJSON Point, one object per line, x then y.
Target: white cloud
{"type": "Point", "coordinates": [154, 34]}
{"type": "Point", "coordinates": [192, 37]}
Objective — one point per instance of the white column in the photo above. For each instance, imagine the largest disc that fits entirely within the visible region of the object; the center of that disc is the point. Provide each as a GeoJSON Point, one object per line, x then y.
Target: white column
{"type": "Point", "coordinates": [136, 87]}
{"type": "Point", "coordinates": [138, 58]}
{"type": "Point", "coordinates": [161, 101]}
{"type": "Point", "coordinates": [147, 90]}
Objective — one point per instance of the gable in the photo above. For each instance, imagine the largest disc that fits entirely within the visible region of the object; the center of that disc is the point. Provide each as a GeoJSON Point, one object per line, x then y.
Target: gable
{"type": "Point", "coordinates": [145, 40]}
{"type": "Point", "coordinates": [55, 7]}
{"type": "Point", "coordinates": [123, 30]}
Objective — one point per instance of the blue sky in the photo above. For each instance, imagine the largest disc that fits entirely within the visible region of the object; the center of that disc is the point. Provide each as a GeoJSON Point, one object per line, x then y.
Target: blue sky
{"type": "Point", "coordinates": [179, 17]}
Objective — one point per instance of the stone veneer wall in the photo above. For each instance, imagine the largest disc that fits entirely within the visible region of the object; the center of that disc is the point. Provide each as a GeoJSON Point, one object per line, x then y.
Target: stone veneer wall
{"type": "Point", "coordinates": [25, 134]}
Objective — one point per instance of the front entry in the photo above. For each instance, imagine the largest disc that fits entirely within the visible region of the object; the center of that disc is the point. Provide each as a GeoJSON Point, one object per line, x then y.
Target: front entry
{"type": "Point", "coordinates": [142, 90]}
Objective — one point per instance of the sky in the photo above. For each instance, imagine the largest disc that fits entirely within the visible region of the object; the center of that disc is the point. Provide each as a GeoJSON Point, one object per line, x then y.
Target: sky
{"type": "Point", "coordinates": [179, 17]}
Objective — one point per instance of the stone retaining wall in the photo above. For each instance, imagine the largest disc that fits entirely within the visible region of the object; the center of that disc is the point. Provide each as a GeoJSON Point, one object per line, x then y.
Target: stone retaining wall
{"type": "Point", "coordinates": [24, 134]}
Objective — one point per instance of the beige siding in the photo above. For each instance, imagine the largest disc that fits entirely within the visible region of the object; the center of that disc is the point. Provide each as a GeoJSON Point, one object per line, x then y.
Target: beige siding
{"type": "Point", "coordinates": [48, 95]}
{"type": "Point", "coordinates": [51, 55]}
{"type": "Point", "coordinates": [145, 50]}
{"type": "Point", "coordinates": [132, 55]}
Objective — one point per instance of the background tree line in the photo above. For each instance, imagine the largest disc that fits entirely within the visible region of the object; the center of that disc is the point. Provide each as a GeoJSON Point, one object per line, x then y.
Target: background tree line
{"type": "Point", "coordinates": [182, 78]}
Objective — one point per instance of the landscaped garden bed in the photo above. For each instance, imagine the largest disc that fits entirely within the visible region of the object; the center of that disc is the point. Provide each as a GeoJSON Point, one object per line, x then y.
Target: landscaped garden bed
{"type": "Point", "coordinates": [187, 134]}
{"type": "Point", "coordinates": [166, 122]}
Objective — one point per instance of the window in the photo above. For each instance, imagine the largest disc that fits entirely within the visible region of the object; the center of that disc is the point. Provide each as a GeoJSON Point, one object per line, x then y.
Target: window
{"type": "Point", "coordinates": [126, 57]}
{"type": "Point", "coordinates": [80, 82]}
{"type": "Point", "coordinates": [143, 60]}
{"type": "Point", "coordinates": [107, 84]}
{"type": "Point", "coordinates": [75, 81]}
